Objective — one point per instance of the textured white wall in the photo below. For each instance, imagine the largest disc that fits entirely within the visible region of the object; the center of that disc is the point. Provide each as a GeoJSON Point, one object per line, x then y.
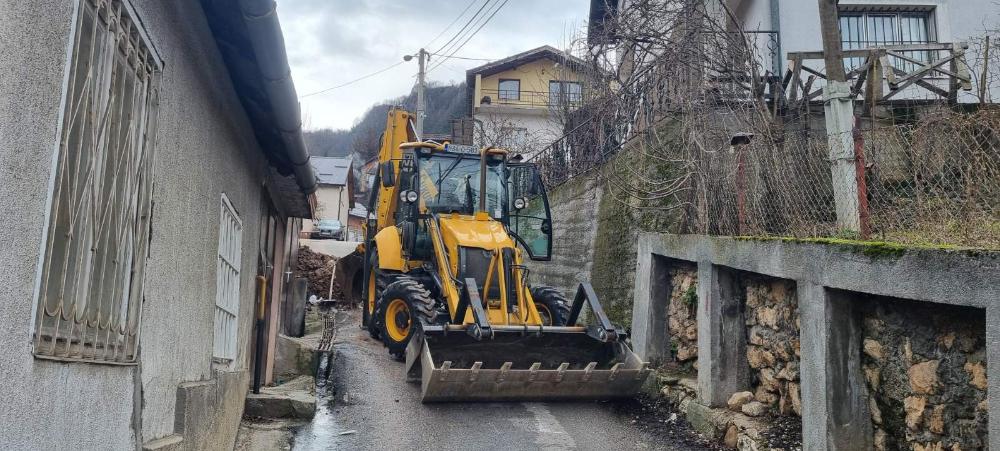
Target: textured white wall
{"type": "Point", "coordinates": [204, 147]}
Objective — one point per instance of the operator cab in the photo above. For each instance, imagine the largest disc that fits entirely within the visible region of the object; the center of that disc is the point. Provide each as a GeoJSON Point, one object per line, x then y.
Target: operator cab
{"type": "Point", "coordinates": [444, 180]}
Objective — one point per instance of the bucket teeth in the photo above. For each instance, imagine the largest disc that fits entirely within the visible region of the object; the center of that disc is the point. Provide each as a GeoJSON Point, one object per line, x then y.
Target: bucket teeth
{"type": "Point", "coordinates": [444, 370]}
{"type": "Point", "coordinates": [474, 371]}
{"type": "Point", "coordinates": [561, 371]}
{"type": "Point", "coordinates": [589, 371]}
{"type": "Point", "coordinates": [614, 371]}
{"type": "Point", "coordinates": [503, 371]}
{"type": "Point", "coordinates": [533, 371]}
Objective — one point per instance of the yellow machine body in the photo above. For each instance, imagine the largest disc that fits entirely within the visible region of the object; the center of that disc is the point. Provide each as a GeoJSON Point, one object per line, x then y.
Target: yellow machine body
{"type": "Point", "coordinates": [446, 287]}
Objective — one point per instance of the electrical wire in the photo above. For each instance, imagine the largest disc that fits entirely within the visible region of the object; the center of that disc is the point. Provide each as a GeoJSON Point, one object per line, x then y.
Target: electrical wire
{"type": "Point", "coordinates": [325, 90]}
{"type": "Point", "coordinates": [445, 29]}
{"type": "Point", "coordinates": [464, 57]}
{"type": "Point", "coordinates": [467, 31]}
{"type": "Point", "coordinates": [467, 23]}
{"type": "Point", "coordinates": [469, 38]}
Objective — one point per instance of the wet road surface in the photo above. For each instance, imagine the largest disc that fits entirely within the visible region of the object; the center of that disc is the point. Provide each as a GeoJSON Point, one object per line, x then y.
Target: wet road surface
{"type": "Point", "coordinates": [366, 404]}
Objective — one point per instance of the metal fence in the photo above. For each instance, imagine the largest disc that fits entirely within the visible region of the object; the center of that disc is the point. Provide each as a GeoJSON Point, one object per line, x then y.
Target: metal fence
{"type": "Point", "coordinates": [935, 181]}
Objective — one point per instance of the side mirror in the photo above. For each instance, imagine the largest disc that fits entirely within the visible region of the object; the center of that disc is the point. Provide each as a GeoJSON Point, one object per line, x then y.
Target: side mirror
{"type": "Point", "coordinates": [388, 175]}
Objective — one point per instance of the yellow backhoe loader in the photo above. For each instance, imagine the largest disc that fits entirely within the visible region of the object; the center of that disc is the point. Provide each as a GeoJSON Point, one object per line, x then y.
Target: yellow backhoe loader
{"type": "Point", "coordinates": [444, 286]}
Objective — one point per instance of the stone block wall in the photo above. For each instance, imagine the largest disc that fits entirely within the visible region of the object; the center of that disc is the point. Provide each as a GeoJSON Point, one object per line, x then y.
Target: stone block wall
{"type": "Point", "coordinates": [574, 207]}
{"type": "Point", "coordinates": [874, 347]}
{"type": "Point", "coordinates": [773, 351]}
{"type": "Point", "coordinates": [682, 319]}
{"type": "Point", "coordinates": [925, 369]}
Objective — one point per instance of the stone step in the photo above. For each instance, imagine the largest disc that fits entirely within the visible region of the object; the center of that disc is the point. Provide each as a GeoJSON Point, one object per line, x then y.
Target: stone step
{"type": "Point", "coordinates": [172, 442]}
{"type": "Point", "coordinates": [296, 399]}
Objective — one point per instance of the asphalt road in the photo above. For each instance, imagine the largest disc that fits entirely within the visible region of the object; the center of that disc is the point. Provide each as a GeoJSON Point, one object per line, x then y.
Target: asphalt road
{"type": "Point", "coordinates": [366, 404]}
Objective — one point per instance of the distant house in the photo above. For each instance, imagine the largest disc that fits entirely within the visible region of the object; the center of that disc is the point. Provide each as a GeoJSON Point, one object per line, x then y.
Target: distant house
{"type": "Point", "coordinates": [355, 223]}
{"type": "Point", "coordinates": [520, 102]}
{"type": "Point", "coordinates": [155, 180]}
{"type": "Point", "coordinates": [335, 195]}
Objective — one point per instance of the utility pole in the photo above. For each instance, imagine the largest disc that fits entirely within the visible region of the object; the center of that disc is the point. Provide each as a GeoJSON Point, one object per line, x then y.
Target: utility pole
{"type": "Point", "coordinates": [838, 106]}
{"type": "Point", "coordinates": [421, 85]}
{"type": "Point", "coordinates": [833, 53]}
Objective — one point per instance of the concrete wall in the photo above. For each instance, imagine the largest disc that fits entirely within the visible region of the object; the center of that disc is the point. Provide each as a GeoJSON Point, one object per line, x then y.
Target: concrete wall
{"type": "Point", "coordinates": [596, 224]}
{"type": "Point", "coordinates": [574, 216]}
{"type": "Point", "coordinates": [34, 37]}
{"type": "Point", "coordinates": [204, 147]}
{"type": "Point", "coordinates": [830, 278]}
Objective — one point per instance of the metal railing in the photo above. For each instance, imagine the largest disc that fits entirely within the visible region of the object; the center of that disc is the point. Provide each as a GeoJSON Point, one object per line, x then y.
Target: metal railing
{"type": "Point", "coordinates": [529, 99]}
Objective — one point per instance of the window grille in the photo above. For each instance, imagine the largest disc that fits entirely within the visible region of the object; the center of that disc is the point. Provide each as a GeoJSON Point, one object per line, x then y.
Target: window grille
{"type": "Point", "coordinates": [861, 30]}
{"type": "Point", "coordinates": [91, 288]}
{"type": "Point", "coordinates": [227, 293]}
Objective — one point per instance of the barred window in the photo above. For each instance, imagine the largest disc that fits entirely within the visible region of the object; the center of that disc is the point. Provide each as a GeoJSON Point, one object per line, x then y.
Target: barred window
{"type": "Point", "coordinates": [860, 29]}
{"type": "Point", "coordinates": [93, 265]}
{"type": "Point", "coordinates": [227, 291]}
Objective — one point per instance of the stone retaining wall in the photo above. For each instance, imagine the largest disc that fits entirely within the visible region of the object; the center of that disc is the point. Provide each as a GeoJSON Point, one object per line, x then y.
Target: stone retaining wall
{"type": "Point", "coordinates": [925, 369]}
{"type": "Point", "coordinates": [895, 347]}
{"type": "Point", "coordinates": [772, 320]}
{"type": "Point", "coordinates": [682, 321]}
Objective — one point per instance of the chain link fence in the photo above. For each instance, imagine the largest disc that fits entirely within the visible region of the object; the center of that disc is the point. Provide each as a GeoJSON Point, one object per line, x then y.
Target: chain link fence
{"type": "Point", "coordinates": [930, 181]}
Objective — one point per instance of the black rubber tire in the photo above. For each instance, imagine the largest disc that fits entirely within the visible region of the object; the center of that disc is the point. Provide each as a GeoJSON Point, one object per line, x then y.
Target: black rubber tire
{"type": "Point", "coordinates": [382, 279]}
{"type": "Point", "coordinates": [419, 303]}
{"type": "Point", "coordinates": [551, 305]}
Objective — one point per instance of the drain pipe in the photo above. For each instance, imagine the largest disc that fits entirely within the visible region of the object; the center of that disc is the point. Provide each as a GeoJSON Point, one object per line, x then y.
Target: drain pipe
{"type": "Point", "coordinates": [261, 19]}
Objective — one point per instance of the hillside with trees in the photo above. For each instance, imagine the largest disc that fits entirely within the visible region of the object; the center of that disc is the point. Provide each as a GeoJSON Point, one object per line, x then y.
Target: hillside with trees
{"type": "Point", "coordinates": [444, 103]}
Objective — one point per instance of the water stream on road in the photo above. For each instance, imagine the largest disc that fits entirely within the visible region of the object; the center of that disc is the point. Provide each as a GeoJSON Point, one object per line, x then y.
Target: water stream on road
{"type": "Point", "coordinates": [322, 432]}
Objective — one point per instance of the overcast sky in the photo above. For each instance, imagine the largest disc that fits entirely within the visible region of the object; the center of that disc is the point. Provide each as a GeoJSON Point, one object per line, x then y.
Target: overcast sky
{"type": "Point", "coordinates": [331, 42]}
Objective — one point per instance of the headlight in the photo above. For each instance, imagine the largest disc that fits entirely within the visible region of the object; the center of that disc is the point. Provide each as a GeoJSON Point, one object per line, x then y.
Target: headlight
{"type": "Point", "coordinates": [520, 203]}
{"type": "Point", "coordinates": [411, 196]}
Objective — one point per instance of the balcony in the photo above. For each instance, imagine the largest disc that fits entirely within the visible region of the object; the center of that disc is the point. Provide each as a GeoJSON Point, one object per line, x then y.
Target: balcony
{"type": "Point", "coordinates": [535, 101]}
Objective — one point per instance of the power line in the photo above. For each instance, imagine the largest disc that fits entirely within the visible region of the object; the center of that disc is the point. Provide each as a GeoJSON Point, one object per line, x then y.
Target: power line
{"type": "Point", "coordinates": [445, 29]}
{"type": "Point", "coordinates": [464, 57]}
{"type": "Point", "coordinates": [469, 38]}
{"type": "Point", "coordinates": [468, 29]}
{"type": "Point", "coordinates": [352, 81]}
{"type": "Point", "coordinates": [467, 23]}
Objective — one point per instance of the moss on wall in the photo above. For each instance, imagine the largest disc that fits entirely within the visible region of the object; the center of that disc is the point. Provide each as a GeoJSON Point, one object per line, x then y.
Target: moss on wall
{"type": "Point", "coordinates": [622, 216]}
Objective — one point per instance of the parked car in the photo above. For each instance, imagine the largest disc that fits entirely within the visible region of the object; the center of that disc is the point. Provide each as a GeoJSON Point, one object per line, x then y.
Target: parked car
{"type": "Point", "coordinates": [328, 228]}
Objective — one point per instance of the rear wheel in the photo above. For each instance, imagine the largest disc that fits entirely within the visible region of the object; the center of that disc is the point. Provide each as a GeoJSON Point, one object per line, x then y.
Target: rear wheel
{"type": "Point", "coordinates": [403, 305]}
{"type": "Point", "coordinates": [551, 304]}
{"type": "Point", "coordinates": [377, 281]}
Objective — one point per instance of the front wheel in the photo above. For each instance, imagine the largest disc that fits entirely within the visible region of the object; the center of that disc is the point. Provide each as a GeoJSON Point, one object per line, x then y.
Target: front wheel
{"type": "Point", "coordinates": [403, 304]}
{"type": "Point", "coordinates": [552, 306]}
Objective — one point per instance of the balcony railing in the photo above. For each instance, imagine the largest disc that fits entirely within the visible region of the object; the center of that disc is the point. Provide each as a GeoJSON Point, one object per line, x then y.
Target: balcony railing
{"type": "Point", "coordinates": [529, 99]}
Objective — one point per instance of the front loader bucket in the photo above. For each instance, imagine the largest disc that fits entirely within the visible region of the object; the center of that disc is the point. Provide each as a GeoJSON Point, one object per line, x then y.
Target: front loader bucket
{"type": "Point", "coordinates": [517, 366]}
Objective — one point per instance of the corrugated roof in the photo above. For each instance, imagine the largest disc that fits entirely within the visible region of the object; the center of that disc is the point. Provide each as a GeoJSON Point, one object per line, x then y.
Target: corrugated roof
{"type": "Point", "coordinates": [332, 171]}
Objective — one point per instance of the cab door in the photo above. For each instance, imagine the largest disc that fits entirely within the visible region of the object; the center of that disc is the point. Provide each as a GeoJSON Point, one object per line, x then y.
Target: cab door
{"type": "Point", "coordinates": [528, 215]}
